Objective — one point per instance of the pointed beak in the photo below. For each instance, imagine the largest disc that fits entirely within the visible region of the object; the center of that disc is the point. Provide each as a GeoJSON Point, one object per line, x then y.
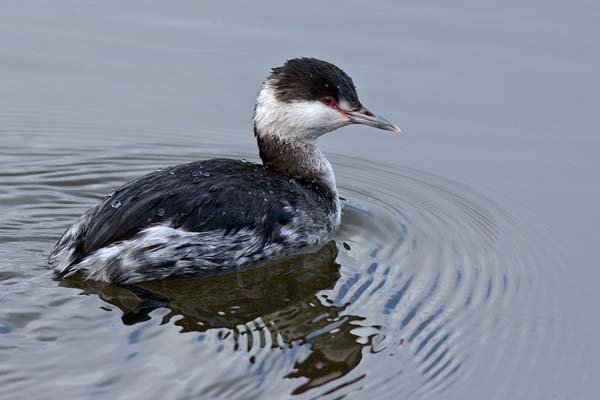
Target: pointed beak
{"type": "Point", "coordinates": [365, 117]}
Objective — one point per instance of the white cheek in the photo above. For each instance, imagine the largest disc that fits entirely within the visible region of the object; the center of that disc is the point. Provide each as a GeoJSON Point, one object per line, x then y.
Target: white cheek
{"type": "Point", "coordinates": [298, 119]}
{"type": "Point", "coordinates": [315, 117]}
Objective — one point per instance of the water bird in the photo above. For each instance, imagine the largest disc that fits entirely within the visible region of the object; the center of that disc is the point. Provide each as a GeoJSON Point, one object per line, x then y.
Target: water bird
{"type": "Point", "coordinates": [220, 215]}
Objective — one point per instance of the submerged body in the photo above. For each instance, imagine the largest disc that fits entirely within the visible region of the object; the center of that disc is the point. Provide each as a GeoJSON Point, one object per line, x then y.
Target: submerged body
{"type": "Point", "coordinates": [219, 215]}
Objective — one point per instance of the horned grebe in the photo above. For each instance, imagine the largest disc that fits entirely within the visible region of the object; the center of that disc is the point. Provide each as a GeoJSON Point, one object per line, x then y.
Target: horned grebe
{"type": "Point", "coordinates": [220, 215]}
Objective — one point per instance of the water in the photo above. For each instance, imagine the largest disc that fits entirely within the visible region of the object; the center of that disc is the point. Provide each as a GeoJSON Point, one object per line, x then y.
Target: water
{"type": "Point", "coordinates": [466, 263]}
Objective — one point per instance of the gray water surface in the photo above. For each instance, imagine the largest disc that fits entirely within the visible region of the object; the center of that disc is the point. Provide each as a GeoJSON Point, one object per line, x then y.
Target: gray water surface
{"type": "Point", "coordinates": [466, 265]}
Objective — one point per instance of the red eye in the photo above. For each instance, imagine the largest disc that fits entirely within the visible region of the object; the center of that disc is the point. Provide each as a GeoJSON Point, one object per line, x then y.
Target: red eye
{"type": "Point", "coordinates": [330, 101]}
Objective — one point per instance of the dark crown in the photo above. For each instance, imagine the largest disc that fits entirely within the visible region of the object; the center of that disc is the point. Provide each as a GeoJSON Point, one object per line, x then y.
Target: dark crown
{"type": "Point", "coordinates": [312, 79]}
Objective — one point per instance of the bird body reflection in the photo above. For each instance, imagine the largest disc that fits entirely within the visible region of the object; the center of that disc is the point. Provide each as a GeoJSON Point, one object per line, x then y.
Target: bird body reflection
{"type": "Point", "coordinates": [280, 299]}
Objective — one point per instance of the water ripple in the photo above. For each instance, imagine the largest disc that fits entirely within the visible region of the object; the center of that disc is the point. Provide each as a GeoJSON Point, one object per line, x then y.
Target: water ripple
{"type": "Point", "coordinates": [426, 283]}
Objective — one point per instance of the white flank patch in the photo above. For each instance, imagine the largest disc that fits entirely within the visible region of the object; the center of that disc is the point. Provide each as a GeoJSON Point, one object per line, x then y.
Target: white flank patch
{"type": "Point", "coordinates": [161, 252]}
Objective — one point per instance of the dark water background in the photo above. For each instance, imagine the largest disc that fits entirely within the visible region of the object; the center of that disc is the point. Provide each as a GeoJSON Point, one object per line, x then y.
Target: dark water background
{"type": "Point", "coordinates": [466, 263]}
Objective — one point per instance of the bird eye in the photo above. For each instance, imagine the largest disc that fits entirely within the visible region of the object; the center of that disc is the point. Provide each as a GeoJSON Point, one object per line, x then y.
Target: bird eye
{"type": "Point", "coordinates": [330, 101]}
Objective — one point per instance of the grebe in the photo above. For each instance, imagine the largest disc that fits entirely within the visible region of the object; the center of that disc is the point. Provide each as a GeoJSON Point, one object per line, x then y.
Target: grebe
{"type": "Point", "coordinates": [221, 215]}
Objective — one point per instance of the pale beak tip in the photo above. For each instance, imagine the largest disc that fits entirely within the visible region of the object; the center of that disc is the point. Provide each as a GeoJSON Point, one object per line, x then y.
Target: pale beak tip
{"type": "Point", "coordinates": [365, 117]}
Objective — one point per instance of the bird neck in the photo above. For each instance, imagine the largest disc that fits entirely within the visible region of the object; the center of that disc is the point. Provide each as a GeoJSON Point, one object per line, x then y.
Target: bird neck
{"type": "Point", "coordinates": [302, 160]}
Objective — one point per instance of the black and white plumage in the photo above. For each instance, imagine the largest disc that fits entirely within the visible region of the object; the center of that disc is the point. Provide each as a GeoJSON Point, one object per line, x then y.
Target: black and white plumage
{"type": "Point", "coordinates": [219, 215]}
